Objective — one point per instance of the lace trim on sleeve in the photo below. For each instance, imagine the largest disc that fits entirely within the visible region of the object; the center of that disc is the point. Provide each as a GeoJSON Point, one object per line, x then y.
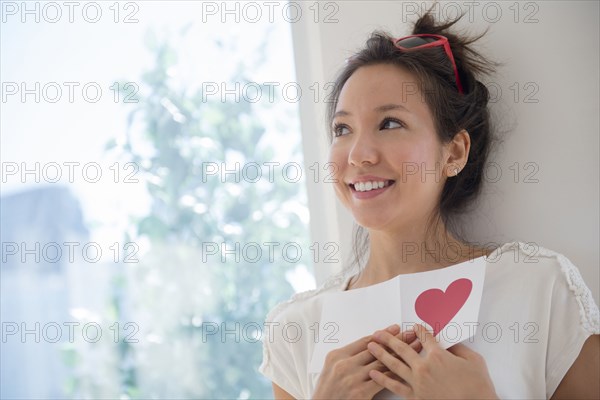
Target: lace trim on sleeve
{"type": "Point", "coordinates": [588, 310]}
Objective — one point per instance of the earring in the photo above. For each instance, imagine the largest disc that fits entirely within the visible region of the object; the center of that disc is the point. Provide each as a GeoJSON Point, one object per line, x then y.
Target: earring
{"type": "Point", "coordinates": [456, 170]}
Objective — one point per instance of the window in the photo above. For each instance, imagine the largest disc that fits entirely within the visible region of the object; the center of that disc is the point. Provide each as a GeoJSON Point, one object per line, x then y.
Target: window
{"type": "Point", "coordinates": [154, 203]}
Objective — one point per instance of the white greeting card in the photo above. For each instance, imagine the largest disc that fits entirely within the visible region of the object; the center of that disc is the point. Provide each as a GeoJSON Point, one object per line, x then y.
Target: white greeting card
{"type": "Point", "coordinates": [445, 300]}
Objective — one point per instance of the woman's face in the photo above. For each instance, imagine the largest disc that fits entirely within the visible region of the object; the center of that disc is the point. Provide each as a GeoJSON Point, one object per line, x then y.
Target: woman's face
{"type": "Point", "coordinates": [385, 141]}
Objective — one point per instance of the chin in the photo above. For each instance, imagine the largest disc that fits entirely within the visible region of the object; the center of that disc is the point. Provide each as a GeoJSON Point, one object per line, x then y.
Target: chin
{"type": "Point", "coordinates": [376, 223]}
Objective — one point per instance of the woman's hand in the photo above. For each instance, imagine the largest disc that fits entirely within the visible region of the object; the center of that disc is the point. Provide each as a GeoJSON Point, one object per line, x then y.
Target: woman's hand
{"type": "Point", "coordinates": [456, 373]}
{"type": "Point", "coordinates": [345, 374]}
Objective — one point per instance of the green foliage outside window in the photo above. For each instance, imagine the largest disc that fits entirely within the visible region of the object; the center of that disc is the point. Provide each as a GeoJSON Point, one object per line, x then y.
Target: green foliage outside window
{"type": "Point", "coordinates": [177, 294]}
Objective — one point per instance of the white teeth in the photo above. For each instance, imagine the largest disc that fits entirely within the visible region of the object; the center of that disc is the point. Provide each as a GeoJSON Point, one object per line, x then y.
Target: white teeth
{"type": "Point", "coordinates": [366, 186]}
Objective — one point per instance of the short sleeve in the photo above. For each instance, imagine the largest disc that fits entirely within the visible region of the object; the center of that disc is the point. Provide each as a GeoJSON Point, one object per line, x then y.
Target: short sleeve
{"type": "Point", "coordinates": [287, 343]}
{"type": "Point", "coordinates": [573, 318]}
{"type": "Point", "coordinates": [278, 363]}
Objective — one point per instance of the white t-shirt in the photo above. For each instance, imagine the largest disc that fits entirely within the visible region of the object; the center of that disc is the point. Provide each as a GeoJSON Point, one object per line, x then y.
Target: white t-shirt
{"type": "Point", "coordinates": [535, 315]}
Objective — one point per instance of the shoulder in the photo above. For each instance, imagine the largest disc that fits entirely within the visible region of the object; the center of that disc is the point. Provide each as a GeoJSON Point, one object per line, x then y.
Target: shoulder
{"type": "Point", "coordinates": [285, 347]}
{"type": "Point", "coordinates": [529, 259]}
{"type": "Point", "coordinates": [534, 266]}
{"type": "Point", "coordinates": [518, 252]}
{"type": "Point", "coordinates": [303, 302]}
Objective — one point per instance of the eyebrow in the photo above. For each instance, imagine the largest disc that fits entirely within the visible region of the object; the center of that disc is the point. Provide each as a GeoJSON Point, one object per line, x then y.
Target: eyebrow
{"type": "Point", "coordinates": [383, 108]}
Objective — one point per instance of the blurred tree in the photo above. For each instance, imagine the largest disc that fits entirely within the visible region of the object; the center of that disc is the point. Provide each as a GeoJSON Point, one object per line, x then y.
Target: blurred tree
{"type": "Point", "coordinates": [180, 292]}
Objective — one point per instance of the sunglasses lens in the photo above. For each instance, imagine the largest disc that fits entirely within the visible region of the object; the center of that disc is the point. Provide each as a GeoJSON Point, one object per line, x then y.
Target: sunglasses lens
{"type": "Point", "coordinates": [414, 41]}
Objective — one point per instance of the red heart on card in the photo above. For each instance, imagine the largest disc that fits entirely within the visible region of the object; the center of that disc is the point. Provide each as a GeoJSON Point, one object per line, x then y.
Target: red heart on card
{"type": "Point", "coordinates": [437, 308]}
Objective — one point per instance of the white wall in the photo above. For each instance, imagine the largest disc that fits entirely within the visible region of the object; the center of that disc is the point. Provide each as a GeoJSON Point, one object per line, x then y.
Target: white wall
{"type": "Point", "coordinates": [556, 57]}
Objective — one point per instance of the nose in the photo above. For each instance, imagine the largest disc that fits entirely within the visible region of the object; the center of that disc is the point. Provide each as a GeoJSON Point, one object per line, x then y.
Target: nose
{"type": "Point", "coordinates": [364, 150]}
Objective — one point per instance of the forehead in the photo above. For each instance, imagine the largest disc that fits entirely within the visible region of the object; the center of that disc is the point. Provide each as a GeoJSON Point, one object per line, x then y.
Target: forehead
{"type": "Point", "coordinates": [375, 85]}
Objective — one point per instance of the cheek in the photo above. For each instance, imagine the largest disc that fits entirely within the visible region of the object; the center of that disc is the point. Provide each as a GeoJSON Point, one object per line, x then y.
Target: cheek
{"type": "Point", "coordinates": [416, 160]}
{"type": "Point", "coordinates": [336, 162]}
{"type": "Point", "coordinates": [413, 153]}
{"type": "Point", "coordinates": [333, 171]}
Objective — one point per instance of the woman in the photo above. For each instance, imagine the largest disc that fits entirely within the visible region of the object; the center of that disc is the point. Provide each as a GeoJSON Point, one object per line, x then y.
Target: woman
{"type": "Point", "coordinates": [410, 137]}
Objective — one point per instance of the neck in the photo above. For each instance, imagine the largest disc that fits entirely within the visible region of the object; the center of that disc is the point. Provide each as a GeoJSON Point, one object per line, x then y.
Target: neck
{"type": "Point", "coordinates": [411, 251]}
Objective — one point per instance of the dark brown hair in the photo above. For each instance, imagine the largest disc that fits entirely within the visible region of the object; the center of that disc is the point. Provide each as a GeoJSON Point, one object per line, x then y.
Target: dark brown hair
{"type": "Point", "coordinates": [451, 110]}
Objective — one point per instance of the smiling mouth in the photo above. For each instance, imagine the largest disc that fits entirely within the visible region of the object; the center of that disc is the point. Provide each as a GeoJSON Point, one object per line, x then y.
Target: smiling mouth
{"type": "Point", "coordinates": [370, 185]}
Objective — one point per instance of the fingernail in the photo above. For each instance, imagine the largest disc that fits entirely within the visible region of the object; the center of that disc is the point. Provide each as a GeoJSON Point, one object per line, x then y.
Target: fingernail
{"type": "Point", "coordinates": [391, 326]}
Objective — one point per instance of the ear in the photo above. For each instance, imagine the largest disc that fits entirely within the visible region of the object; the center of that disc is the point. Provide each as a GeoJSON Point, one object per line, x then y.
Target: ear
{"type": "Point", "coordinates": [456, 153]}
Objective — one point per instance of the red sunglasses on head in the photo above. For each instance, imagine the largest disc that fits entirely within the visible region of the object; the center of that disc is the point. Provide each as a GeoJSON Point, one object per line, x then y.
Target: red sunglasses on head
{"type": "Point", "coordinates": [424, 41]}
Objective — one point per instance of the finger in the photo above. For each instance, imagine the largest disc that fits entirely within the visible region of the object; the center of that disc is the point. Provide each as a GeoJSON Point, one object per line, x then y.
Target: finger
{"type": "Point", "coordinates": [363, 358]}
{"type": "Point", "coordinates": [416, 345]}
{"type": "Point", "coordinates": [407, 336]}
{"type": "Point", "coordinates": [410, 337]}
{"type": "Point", "coordinates": [393, 329]}
{"type": "Point", "coordinates": [405, 351]}
{"type": "Point", "coordinates": [392, 375]}
{"type": "Point", "coordinates": [391, 384]}
{"type": "Point", "coordinates": [462, 351]}
{"type": "Point", "coordinates": [378, 365]}
{"type": "Point", "coordinates": [357, 346]}
{"type": "Point", "coordinates": [426, 338]}
{"type": "Point", "coordinates": [394, 364]}
{"type": "Point", "coordinates": [371, 388]}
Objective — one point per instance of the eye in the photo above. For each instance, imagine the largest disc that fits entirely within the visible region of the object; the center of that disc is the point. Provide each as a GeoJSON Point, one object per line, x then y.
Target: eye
{"type": "Point", "coordinates": [338, 129]}
{"type": "Point", "coordinates": [392, 123]}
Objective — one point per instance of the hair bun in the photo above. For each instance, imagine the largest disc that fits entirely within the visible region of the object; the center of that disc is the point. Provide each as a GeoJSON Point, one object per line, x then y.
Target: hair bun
{"type": "Point", "coordinates": [466, 58]}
